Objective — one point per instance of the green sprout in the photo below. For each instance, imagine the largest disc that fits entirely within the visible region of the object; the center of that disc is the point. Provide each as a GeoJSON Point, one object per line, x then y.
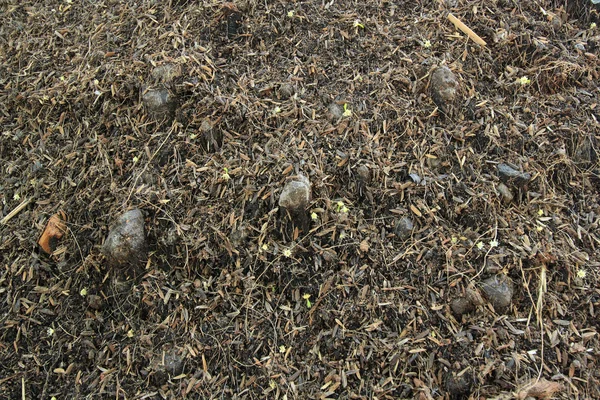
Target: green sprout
{"type": "Point", "coordinates": [341, 207]}
{"type": "Point", "coordinates": [306, 297]}
{"type": "Point", "coordinates": [282, 349]}
{"type": "Point", "coordinates": [83, 292]}
{"type": "Point", "coordinates": [347, 111]}
{"type": "Point", "coordinates": [480, 245]}
{"type": "Point", "coordinates": [290, 14]}
{"type": "Point", "coordinates": [581, 273]}
{"type": "Point", "coordinates": [427, 44]}
{"type": "Point", "coordinates": [593, 25]}
{"type": "Point", "coordinates": [357, 24]}
{"type": "Point", "coordinates": [494, 243]}
{"type": "Point", "coordinates": [225, 175]}
{"type": "Point", "coordinates": [314, 216]}
{"type": "Point", "coordinates": [524, 81]}
{"type": "Point", "coordinates": [287, 253]}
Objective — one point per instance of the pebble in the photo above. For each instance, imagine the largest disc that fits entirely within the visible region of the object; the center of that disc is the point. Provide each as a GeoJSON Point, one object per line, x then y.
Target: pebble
{"type": "Point", "coordinates": [296, 194]}
{"type": "Point", "coordinates": [461, 306]}
{"type": "Point", "coordinates": [126, 243]}
{"type": "Point", "coordinates": [458, 386]}
{"type": "Point", "coordinates": [166, 73]}
{"type": "Point", "coordinates": [498, 290]}
{"type": "Point", "coordinates": [364, 173]}
{"type": "Point", "coordinates": [159, 102]}
{"type": "Point", "coordinates": [336, 111]}
{"type": "Point", "coordinates": [511, 176]}
{"type": "Point", "coordinates": [504, 191]}
{"type": "Point", "coordinates": [286, 90]}
{"type": "Point", "coordinates": [403, 228]}
{"type": "Point", "coordinates": [444, 86]}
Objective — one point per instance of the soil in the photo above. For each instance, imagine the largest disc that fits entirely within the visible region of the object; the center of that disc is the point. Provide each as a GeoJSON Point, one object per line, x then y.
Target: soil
{"type": "Point", "coordinates": [199, 113]}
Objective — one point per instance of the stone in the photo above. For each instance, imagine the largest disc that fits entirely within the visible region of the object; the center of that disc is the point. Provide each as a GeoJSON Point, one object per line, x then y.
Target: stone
{"type": "Point", "coordinates": [444, 86]}
{"type": "Point", "coordinates": [336, 111]}
{"type": "Point", "coordinates": [364, 173]}
{"type": "Point", "coordinates": [403, 228]}
{"type": "Point", "coordinates": [160, 103]}
{"type": "Point", "coordinates": [461, 306]}
{"type": "Point", "coordinates": [126, 243]}
{"type": "Point", "coordinates": [498, 290]}
{"type": "Point", "coordinates": [458, 386]}
{"type": "Point", "coordinates": [166, 73]}
{"type": "Point", "coordinates": [286, 90]}
{"type": "Point", "coordinates": [505, 193]}
{"type": "Point", "coordinates": [512, 177]}
{"type": "Point", "coordinates": [296, 194]}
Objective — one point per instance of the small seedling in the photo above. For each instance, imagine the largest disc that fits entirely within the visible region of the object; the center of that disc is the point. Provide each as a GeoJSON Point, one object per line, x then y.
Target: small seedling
{"type": "Point", "coordinates": [287, 253]}
{"type": "Point", "coordinates": [130, 333]}
{"type": "Point", "coordinates": [593, 25]}
{"type": "Point", "coordinates": [493, 243]}
{"type": "Point", "coordinates": [341, 207]}
{"type": "Point", "coordinates": [480, 245]}
{"type": "Point", "coordinates": [282, 349]}
{"type": "Point", "coordinates": [225, 175]}
{"type": "Point", "coordinates": [427, 44]}
{"type": "Point", "coordinates": [306, 297]}
{"type": "Point", "coordinates": [290, 14]}
{"type": "Point", "coordinates": [581, 273]}
{"type": "Point", "coordinates": [314, 216]}
{"type": "Point", "coordinates": [135, 159]}
{"type": "Point", "coordinates": [83, 292]}
{"type": "Point", "coordinates": [347, 111]}
{"type": "Point", "coordinates": [357, 24]}
{"type": "Point", "coordinates": [524, 81]}
{"type": "Point", "coordinates": [276, 110]}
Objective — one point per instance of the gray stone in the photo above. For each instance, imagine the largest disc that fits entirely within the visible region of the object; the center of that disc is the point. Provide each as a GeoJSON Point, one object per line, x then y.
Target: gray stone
{"type": "Point", "coordinates": [403, 228]}
{"type": "Point", "coordinates": [336, 111]}
{"type": "Point", "coordinates": [172, 362]}
{"type": "Point", "coordinates": [296, 194]}
{"type": "Point", "coordinates": [286, 90]}
{"type": "Point", "coordinates": [504, 191]}
{"type": "Point", "coordinates": [512, 177]}
{"type": "Point", "coordinates": [364, 173]}
{"type": "Point", "coordinates": [444, 86]}
{"type": "Point", "coordinates": [126, 243]}
{"type": "Point", "coordinates": [461, 306]}
{"type": "Point", "coordinates": [160, 103]}
{"type": "Point", "coordinates": [499, 291]}
{"type": "Point", "coordinates": [166, 73]}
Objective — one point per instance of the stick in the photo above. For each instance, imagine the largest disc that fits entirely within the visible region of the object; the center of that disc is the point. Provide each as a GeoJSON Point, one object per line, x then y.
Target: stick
{"type": "Point", "coordinates": [466, 30]}
{"type": "Point", "coordinates": [15, 211]}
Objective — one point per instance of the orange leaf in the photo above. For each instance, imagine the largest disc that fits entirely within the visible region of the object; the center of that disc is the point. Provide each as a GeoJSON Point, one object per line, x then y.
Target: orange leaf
{"type": "Point", "coordinates": [55, 229]}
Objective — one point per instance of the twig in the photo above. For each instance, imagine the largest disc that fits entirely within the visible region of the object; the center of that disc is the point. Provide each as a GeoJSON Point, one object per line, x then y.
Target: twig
{"type": "Point", "coordinates": [466, 30]}
{"type": "Point", "coordinates": [14, 212]}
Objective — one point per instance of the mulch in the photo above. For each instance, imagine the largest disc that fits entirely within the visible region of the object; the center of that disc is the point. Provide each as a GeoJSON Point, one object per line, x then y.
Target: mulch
{"type": "Point", "coordinates": [199, 113]}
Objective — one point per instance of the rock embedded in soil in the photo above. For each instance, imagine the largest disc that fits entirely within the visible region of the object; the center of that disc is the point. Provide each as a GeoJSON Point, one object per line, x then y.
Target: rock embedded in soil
{"type": "Point", "coordinates": [404, 227]}
{"type": "Point", "coordinates": [504, 191]}
{"type": "Point", "coordinates": [444, 86]}
{"type": "Point", "coordinates": [512, 177]}
{"type": "Point", "coordinates": [160, 103]}
{"type": "Point", "coordinates": [498, 290]}
{"type": "Point", "coordinates": [296, 194]}
{"type": "Point", "coordinates": [461, 306]}
{"type": "Point", "coordinates": [126, 243]}
{"type": "Point", "coordinates": [286, 90]}
{"type": "Point", "coordinates": [458, 385]}
{"type": "Point", "coordinates": [166, 73]}
{"type": "Point", "coordinates": [364, 173]}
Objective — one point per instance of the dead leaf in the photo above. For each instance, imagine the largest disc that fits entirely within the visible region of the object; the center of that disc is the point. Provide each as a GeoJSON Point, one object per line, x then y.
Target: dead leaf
{"type": "Point", "coordinates": [54, 231]}
{"type": "Point", "coordinates": [541, 389]}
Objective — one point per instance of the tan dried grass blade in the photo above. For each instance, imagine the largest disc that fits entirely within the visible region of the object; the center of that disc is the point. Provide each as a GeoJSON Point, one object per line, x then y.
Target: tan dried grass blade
{"type": "Point", "coordinates": [466, 30]}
